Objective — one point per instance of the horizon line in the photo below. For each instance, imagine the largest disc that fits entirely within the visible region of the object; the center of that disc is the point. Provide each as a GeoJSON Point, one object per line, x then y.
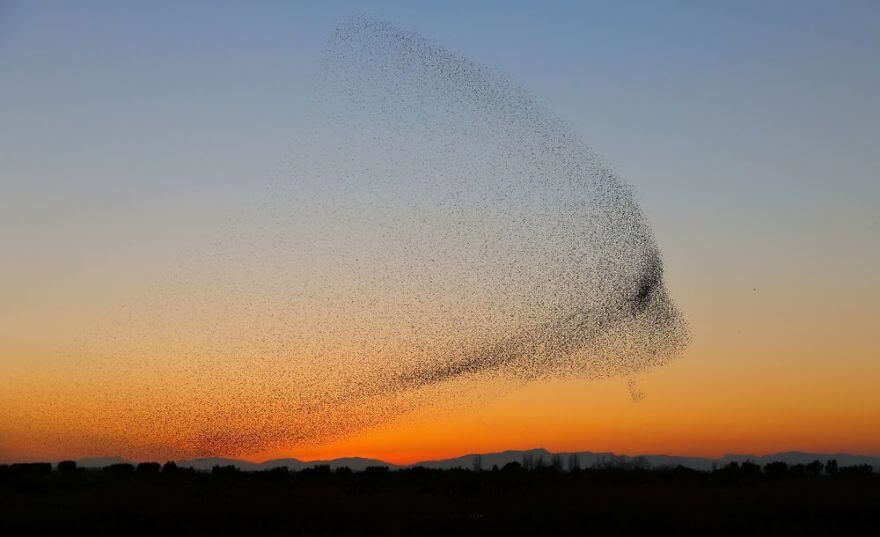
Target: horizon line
{"type": "Point", "coordinates": [124, 459]}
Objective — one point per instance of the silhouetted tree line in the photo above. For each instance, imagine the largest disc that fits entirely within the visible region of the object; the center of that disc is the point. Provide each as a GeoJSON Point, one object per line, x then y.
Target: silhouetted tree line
{"type": "Point", "coordinates": [536, 495]}
{"type": "Point", "coordinates": [747, 469]}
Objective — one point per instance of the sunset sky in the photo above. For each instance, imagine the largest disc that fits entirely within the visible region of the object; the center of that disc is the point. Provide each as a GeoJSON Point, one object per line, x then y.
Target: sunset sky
{"type": "Point", "coordinates": [134, 138]}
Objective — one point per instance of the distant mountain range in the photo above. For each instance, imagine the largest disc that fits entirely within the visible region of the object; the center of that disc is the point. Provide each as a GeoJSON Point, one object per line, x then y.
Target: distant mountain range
{"type": "Point", "coordinates": [586, 459]}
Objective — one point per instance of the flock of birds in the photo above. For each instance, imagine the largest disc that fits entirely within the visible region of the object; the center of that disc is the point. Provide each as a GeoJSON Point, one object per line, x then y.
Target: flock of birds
{"type": "Point", "coordinates": [437, 236]}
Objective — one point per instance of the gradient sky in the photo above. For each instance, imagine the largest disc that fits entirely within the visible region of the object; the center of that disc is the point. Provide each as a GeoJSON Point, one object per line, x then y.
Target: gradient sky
{"type": "Point", "coordinates": [130, 132]}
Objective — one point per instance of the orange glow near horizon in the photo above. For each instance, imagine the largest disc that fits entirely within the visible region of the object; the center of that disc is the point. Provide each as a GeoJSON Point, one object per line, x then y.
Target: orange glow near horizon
{"type": "Point", "coordinates": [692, 407]}
{"type": "Point", "coordinates": [765, 373]}
{"type": "Point", "coordinates": [761, 376]}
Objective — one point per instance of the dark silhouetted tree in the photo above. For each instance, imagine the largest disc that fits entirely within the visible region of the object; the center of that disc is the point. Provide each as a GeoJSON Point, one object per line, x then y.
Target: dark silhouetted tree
{"type": "Point", "coordinates": [856, 470]}
{"type": "Point", "coordinates": [227, 470]}
{"type": "Point", "coordinates": [831, 467]}
{"type": "Point", "coordinates": [120, 469]}
{"type": "Point", "coordinates": [376, 470]}
{"type": "Point", "coordinates": [815, 468]}
{"type": "Point", "coordinates": [776, 469]}
{"type": "Point", "coordinates": [512, 467]}
{"type": "Point", "coordinates": [321, 469]}
{"type": "Point", "coordinates": [148, 468]}
{"type": "Point", "coordinates": [67, 466]}
{"type": "Point", "coordinates": [750, 469]}
{"type": "Point", "coordinates": [31, 468]}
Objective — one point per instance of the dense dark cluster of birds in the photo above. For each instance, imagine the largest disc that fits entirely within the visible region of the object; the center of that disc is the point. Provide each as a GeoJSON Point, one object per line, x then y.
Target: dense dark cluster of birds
{"type": "Point", "coordinates": [437, 235]}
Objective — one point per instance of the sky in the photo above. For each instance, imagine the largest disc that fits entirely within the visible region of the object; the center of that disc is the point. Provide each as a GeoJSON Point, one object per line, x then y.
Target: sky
{"type": "Point", "coordinates": [131, 133]}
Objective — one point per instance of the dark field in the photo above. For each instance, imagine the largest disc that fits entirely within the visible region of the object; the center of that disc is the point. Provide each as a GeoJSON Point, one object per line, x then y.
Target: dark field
{"type": "Point", "coordinates": [740, 500]}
